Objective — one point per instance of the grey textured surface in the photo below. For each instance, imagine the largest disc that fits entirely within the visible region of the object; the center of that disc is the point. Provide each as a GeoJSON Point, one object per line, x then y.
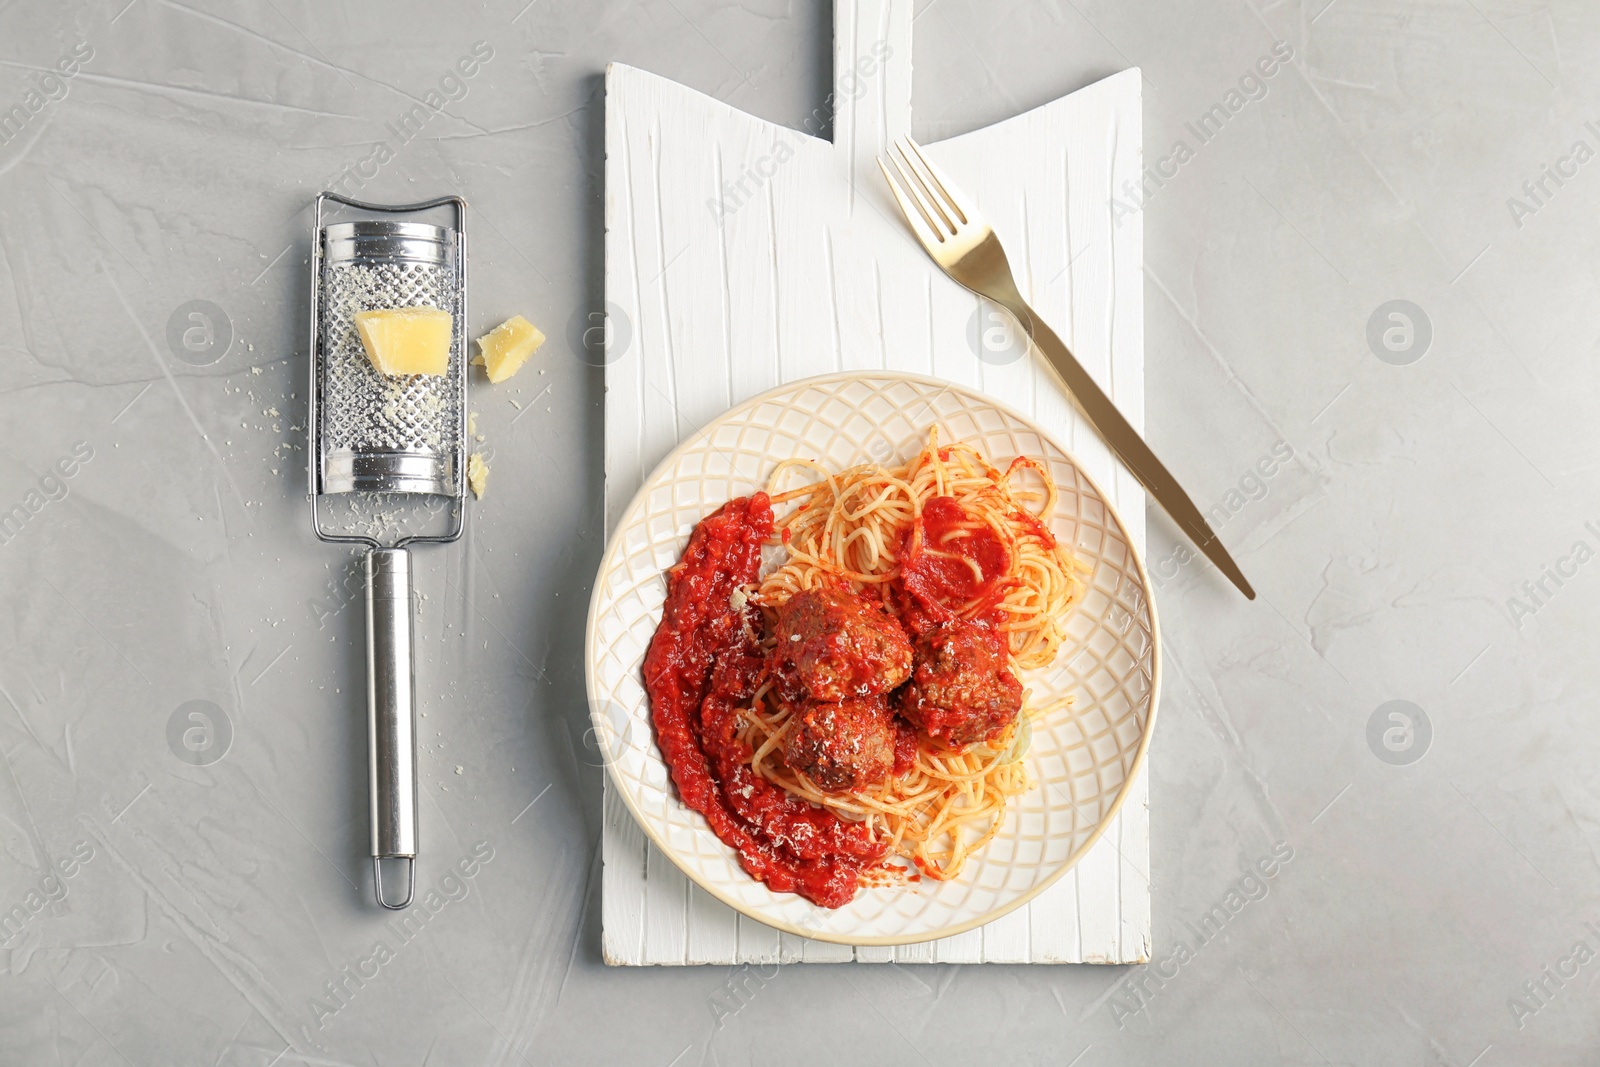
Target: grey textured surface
{"type": "Point", "coordinates": [1429, 911]}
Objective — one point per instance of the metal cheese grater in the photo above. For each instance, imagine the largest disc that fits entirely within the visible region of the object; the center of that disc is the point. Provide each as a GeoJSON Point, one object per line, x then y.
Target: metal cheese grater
{"type": "Point", "coordinates": [375, 435]}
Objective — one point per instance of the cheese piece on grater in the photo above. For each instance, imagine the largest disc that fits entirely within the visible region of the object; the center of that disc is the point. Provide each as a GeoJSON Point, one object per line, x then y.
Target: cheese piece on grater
{"type": "Point", "coordinates": [504, 349]}
{"type": "Point", "coordinates": [406, 340]}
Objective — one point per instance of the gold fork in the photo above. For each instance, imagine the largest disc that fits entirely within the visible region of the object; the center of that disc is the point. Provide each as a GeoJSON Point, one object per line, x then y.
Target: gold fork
{"type": "Point", "coordinates": [963, 243]}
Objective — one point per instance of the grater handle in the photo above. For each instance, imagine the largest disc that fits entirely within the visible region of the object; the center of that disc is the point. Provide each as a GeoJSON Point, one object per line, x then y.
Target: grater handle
{"type": "Point", "coordinates": [391, 722]}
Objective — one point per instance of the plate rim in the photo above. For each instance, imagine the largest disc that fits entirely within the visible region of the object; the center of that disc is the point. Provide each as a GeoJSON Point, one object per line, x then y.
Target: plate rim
{"type": "Point", "coordinates": [591, 625]}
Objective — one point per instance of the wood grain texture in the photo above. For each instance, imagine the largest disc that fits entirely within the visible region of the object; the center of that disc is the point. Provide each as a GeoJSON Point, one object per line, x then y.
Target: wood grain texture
{"type": "Point", "coordinates": [746, 255]}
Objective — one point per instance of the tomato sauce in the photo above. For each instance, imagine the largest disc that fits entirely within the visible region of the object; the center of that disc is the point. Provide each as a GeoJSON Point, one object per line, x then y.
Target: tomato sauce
{"type": "Point", "coordinates": [704, 664]}
{"type": "Point", "coordinates": [951, 559]}
{"type": "Point", "coordinates": [905, 747]}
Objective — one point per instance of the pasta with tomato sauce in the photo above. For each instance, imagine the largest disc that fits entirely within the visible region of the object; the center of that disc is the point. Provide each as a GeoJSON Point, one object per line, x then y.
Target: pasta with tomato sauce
{"type": "Point", "coordinates": [857, 704]}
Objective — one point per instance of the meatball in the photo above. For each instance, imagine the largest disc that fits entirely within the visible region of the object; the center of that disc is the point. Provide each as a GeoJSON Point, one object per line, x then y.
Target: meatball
{"type": "Point", "coordinates": [839, 645]}
{"type": "Point", "coordinates": [960, 690]}
{"type": "Point", "coordinates": [842, 746]}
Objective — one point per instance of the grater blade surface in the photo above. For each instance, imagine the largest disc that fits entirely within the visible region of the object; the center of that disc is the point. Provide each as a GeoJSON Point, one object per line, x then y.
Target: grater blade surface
{"type": "Point", "coordinates": [378, 433]}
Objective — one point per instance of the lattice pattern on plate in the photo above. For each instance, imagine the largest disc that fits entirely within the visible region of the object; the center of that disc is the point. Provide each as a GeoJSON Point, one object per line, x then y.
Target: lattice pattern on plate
{"type": "Point", "coordinates": [1082, 760]}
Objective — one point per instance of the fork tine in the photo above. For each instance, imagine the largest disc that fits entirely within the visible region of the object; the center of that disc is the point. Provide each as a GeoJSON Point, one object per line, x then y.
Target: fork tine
{"type": "Point", "coordinates": [926, 202]}
{"type": "Point", "coordinates": [929, 200]}
{"type": "Point", "coordinates": [926, 230]}
{"type": "Point", "coordinates": [942, 185]}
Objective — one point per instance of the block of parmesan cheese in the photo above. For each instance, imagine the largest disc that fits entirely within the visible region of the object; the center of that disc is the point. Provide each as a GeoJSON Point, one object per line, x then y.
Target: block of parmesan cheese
{"type": "Point", "coordinates": [504, 349]}
{"type": "Point", "coordinates": [406, 340]}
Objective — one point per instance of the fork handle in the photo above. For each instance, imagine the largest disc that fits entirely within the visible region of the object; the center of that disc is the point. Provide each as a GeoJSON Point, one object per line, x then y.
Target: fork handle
{"type": "Point", "coordinates": [1126, 443]}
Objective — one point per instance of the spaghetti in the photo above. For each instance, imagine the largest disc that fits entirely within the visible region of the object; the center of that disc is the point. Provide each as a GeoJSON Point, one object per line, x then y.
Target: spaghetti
{"type": "Point", "coordinates": [944, 538]}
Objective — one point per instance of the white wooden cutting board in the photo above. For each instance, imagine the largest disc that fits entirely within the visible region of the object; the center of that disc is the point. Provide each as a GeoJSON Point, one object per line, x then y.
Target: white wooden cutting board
{"type": "Point", "coordinates": [744, 255]}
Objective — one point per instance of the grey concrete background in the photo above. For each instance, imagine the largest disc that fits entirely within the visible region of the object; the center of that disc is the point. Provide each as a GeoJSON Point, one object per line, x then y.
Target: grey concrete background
{"type": "Point", "coordinates": [1415, 513]}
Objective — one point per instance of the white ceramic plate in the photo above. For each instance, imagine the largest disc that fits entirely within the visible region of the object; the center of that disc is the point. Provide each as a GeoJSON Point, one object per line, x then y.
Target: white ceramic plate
{"type": "Point", "coordinates": [1082, 760]}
